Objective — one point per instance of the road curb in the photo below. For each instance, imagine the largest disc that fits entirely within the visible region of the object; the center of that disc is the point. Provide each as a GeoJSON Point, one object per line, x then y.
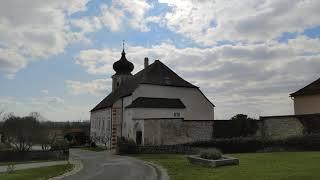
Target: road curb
{"type": "Point", "coordinates": [78, 166]}
{"type": "Point", "coordinates": [161, 172]}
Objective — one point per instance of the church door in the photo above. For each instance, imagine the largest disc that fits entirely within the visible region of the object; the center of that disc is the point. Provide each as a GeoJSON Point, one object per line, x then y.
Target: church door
{"type": "Point", "coordinates": [139, 137]}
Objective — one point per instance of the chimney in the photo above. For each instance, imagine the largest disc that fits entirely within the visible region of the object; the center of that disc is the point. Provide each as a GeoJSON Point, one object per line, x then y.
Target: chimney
{"type": "Point", "coordinates": [146, 62]}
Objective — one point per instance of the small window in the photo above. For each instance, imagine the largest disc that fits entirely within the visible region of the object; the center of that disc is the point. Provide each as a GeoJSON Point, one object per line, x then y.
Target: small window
{"type": "Point", "coordinates": [176, 114]}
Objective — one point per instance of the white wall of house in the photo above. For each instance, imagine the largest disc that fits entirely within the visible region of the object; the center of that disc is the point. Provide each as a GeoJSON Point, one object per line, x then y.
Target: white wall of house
{"type": "Point", "coordinates": [155, 113]}
{"type": "Point", "coordinates": [197, 106]}
{"type": "Point", "coordinates": [100, 124]}
{"type": "Point", "coordinates": [127, 125]}
{"type": "Point", "coordinates": [308, 104]}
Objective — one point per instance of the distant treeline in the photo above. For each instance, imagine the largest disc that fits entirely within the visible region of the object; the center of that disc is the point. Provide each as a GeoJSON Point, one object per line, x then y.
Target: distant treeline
{"type": "Point", "coordinates": [84, 125]}
{"type": "Point", "coordinates": [238, 126]}
{"type": "Point", "coordinates": [66, 125]}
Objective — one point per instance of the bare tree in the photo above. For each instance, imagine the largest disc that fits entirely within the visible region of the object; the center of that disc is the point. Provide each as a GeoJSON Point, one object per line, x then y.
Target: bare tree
{"type": "Point", "coordinates": [46, 139]}
{"type": "Point", "coordinates": [105, 140]}
{"type": "Point", "coordinates": [1, 114]}
{"type": "Point", "coordinates": [22, 132]}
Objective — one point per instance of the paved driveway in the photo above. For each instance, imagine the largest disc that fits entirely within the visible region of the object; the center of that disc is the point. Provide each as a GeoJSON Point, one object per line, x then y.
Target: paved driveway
{"type": "Point", "coordinates": [104, 166]}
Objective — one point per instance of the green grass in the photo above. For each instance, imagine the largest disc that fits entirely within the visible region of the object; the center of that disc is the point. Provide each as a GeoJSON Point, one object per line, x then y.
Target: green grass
{"type": "Point", "coordinates": [253, 166]}
{"type": "Point", "coordinates": [96, 149]}
{"type": "Point", "coordinates": [37, 173]}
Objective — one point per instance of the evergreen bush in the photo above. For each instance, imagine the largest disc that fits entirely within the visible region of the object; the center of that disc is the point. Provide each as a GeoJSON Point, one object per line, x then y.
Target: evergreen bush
{"type": "Point", "coordinates": [212, 154]}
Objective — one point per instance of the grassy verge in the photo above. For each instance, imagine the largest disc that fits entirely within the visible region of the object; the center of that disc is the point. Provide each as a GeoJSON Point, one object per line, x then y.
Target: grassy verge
{"type": "Point", "coordinates": [253, 166]}
{"type": "Point", "coordinates": [37, 173]}
{"type": "Point", "coordinates": [96, 149]}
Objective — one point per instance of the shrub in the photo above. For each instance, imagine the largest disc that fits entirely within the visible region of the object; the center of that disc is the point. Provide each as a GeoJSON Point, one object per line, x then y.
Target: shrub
{"type": "Point", "coordinates": [93, 145]}
{"type": "Point", "coordinates": [5, 146]}
{"type": "Point", "coordinates": [213, 154]}
{"type": "Point", "coordinates": [126, 146]}
{"type": "Point", "coordinates": [309, 142]}
{"type": "Point", "coordinates": [58, 145]}
{"type": "Point", "coordinates": [231, 145]}
{"type": "Point", "coordinates": [10, 168]}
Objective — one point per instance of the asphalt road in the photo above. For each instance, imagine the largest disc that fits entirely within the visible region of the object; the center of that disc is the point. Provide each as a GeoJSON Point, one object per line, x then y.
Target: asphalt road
{"type": "Point", "coordinates": [105, 166]}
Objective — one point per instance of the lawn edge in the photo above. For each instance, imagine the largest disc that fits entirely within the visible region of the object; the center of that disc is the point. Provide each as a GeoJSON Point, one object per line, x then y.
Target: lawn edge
{"type": "Point", "coordinates": [77, 166]}
{"type": "Point", "coordinates": [161, 172]}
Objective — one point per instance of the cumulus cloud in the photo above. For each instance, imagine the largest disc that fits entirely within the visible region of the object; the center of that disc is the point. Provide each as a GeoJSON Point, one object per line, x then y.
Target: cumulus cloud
{"type": "Point", "coordinates": [34, 29]}
{"type": "Point", "coordinates": [237, 78]}
{"type": "Point", "coordinates": [95, 87]}
{"type": "Point", "coordinates": [137, 9]}
{"type": "Point", "coordinates": [118, 13]}
{"type": "Point", "coordinates": [45, 91]}
{"type": "Point", "coordinates": [209, 22]}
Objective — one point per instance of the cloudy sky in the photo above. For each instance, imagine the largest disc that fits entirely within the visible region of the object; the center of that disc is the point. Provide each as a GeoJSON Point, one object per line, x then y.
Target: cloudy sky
{"type": "Point", "coordinates": [247, 56]}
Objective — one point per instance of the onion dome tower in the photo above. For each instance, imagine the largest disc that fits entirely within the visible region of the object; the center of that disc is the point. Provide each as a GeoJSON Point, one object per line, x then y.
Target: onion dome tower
{"type": "Point", "coordinates": [123, 69]}
{"type": "Point", "coordinates": [123, 66]}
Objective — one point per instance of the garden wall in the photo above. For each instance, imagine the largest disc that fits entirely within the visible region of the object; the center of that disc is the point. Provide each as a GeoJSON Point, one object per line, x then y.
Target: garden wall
{"type": "Point", "coordinates": [282, 127]}
{"type": "Point", "coordinates": [13, 156]}
{"type": "Point", "coordinates": [166, 149]}
{"type": "Point", "coordinates": [176, 131]}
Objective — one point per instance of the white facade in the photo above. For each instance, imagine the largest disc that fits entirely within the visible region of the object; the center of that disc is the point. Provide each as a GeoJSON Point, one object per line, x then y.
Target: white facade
{"type": "Point", "coordinates": [131, 120]}
{"type": "Point", "coordinates": [157, 113]}
{"type": "Point", "coordinates": [197, 105]}
{"type": "Point", "coordinates": [100, 126]}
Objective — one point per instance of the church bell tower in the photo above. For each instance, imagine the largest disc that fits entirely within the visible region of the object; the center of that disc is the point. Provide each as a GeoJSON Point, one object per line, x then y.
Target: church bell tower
{"type": "Point", "coordinates": [123, 69]}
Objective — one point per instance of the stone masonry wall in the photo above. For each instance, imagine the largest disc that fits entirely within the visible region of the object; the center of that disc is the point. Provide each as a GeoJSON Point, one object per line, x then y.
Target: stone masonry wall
{"type": "Point", "coordinates": [175, 131]}
{"type": "Point", "coordinates": [280, 127]}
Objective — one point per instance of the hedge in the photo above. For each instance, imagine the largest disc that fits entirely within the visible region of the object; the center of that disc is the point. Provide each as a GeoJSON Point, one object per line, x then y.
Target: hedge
{"type": "Point", "coordinates": [241, 145]}
{"type": "Point", "coordinates": [229, 145]}
{"type": "Point", "coordinates": [16, 156]}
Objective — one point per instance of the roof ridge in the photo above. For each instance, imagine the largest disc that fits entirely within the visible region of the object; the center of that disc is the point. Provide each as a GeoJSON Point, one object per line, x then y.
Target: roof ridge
{"type": "Point", "coordinates": [154, 74]}
{"type": "Point", "coordinates": [305, 88]}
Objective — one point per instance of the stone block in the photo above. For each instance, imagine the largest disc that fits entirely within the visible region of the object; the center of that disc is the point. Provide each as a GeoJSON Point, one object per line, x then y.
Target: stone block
{"type": "Point", "coordinates": [224, 161]}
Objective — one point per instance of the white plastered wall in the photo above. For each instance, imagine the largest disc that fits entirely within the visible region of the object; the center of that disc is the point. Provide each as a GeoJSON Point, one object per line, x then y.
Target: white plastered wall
{"type": "Point", "coordinates": [100, 123]}
{"type": "Point", "coordinates": [197, 106]}
{"type": "Point", "coordinates": [156, 113]}
{"type": "Point", "coordinates": [308, 104]}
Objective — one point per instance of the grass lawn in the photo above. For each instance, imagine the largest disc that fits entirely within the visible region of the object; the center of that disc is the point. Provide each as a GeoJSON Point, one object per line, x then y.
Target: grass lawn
{"type": "Point", "coordinates": [96, 149]}
{"type": "Point", "coordinates": [37, 173]}
{"type": "Point", "coordinates": [253, 166]}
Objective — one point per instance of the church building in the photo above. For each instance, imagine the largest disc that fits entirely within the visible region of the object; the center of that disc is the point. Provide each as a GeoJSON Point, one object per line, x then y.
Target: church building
{"type": "Point", "coordinates": [155, 106]}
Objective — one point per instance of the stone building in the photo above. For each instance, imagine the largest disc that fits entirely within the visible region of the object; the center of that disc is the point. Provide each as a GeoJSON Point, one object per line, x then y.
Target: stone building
{"type": "Point", "coordinates": [152, 107]}
{"type": "Point", "coordinates": [307, 99]}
